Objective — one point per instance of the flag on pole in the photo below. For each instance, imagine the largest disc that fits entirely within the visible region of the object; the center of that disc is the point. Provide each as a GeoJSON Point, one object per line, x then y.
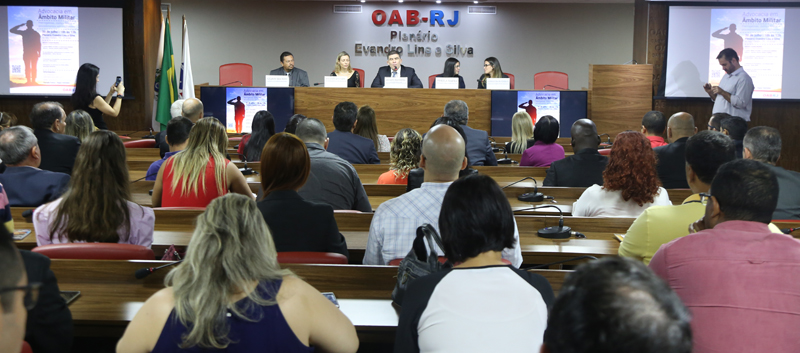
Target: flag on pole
{"type": "Point", "coordinates": [168, 85]}
{"type": "Point", "coordinates": [186, 85]}
{"type": "Point", "coordinates": [158, 69]}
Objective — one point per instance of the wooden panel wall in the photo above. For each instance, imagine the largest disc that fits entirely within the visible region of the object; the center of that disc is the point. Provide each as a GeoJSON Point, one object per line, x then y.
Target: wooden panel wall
{"type": "Point", "coordinates": [621, 95]}
{"type": "Point", "coordinates": [139, 17]}
{"type": "Point", "coordinates": [782, 115]}
{"type": "Point", "coordinates": [414, 108]}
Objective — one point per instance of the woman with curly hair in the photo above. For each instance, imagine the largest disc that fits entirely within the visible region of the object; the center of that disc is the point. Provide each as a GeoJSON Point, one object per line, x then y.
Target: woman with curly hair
{"type": "Point", "coordinates": [403, 156]}
{"type": "Point", "coordinates": [630, 181]}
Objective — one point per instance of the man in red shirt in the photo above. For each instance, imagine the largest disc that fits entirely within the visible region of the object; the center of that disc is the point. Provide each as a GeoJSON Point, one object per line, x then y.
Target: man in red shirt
{"type": "Point", "coordinates": [653, 125]}
{"type": "Point", "coordinates": [740, 281]}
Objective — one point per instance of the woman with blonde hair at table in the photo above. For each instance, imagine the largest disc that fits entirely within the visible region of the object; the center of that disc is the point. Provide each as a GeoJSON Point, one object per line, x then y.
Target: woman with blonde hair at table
{"type": "Point", "coordinates": [230, 294]}
{"type": "Point", "coordinates": [79, 124]}
{"type": "Point", "coordinates": [200, 173]}
{"type": "Point", "coordinates": [521, 133]}
{"type": "Point", "coordinates": [342, 68]}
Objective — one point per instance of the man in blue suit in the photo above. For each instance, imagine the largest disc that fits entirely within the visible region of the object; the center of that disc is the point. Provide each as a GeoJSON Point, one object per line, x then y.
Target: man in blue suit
{"type": "Point", "coordinates": [26, 184]}
{"type": "Point", "coordinates": [479, 150]}
{"type": "Point", "coordinates": [347, 145]}
{"type": "Point", "coordinates": [396, 69]}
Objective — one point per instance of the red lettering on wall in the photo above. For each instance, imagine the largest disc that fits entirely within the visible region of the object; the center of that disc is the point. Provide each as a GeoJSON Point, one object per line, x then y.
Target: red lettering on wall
{"type": "Point", "coordinates": [412, 17]}
{"type": "Point", "coordinates": [375, 18]}
{"type": "Point", "coordinates": [395, 18]}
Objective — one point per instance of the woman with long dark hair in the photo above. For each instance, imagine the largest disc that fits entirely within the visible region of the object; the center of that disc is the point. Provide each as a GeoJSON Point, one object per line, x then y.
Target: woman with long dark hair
{"type": "Point", "coordinates": [630, 181]}
{"type": "Point", "coordinates": [367, 126]}
{"type": "Point", "coordinates": [452, 68]}
{"type": "Point", "coordinates": [263, 128]}
{"type": "Point", "coordinates": [87, 99]}
{"type": "Point", "coordinates": [491, 69]}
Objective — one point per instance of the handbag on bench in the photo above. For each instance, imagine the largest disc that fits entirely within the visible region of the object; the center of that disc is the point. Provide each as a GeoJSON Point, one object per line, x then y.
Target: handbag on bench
{"type": "Point", "coordinates": [418, 263]}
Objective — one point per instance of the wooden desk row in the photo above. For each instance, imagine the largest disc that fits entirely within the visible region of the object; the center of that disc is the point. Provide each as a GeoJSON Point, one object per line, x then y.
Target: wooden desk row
{"type": "Point", "coordinates": [111, 296]}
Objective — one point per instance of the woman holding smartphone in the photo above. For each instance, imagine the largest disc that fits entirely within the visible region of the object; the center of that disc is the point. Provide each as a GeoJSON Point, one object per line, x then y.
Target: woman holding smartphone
{"type": "Point", "coordinates": [86, 97]}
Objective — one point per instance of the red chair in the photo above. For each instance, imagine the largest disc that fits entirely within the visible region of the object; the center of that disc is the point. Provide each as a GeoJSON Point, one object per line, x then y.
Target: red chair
{"type": "Point", "coordinates": [511, 76]}
{"type": "Point", "coordinates": [605, 151]}
{"type": "Point", "coordinates": [26, 348]}
{"type": "Point", "coordinates": [143, 143]}
{"type": "Point", "coordinates": [360, 75]}
{"type": "Point", "coordinates": [554, 80]}
{"type": "Point", "coordinates": [229, 74]}
{"type": "Point", "coordinates": [235, 138]}
{"type": "Point", "coordinates": [431, 80]}
{"type": "Point", "coordinates": [311, 257]}
{"type": "Point", "coordinates": [179, 208]}
{"type": "Point", "coordinates": [96, 251]}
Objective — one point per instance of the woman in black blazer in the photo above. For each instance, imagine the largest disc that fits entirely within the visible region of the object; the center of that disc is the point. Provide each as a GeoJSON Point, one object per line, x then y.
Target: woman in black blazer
{"type": "Point", "coordinates": [451, 69]}
{"type": "Point", "coordinates": [295, 224]}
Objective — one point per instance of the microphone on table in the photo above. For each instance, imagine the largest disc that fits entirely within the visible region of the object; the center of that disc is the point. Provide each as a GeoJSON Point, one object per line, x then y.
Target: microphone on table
{"type": "Point", "coordinates": [145, 177]}
{"type": "Point", "coordinates": [506, 160]}
{"type": "Point", "coordinates": [494, 145]}
{"type": "Point", "coordinates": [534, 196]}
{"type": "Point", "coordinates": [29, 213]}
{"type": "Point", "coordinates": [246, 170]}
{"type": "Point", "coordinates": [318, 83]}
{"type": "Point", "coordinates": [143, 137]}
{"type": "Point", "coordinates": [150, 135]}
{"type": "Point", "coordinates": [556, 87]}
{"type": "Point", "coordinates": [240, 83]}
{"type": "Point", "coordinates": [590, 257]}
{"type": "Point", "coordinates": [783, 230]}
{"type": "Point", "coordinates": [560, 232]}
{"type": "Point", "coordinates": [144, 272]}
{"type": "Point", "coordinates": [608, 139]}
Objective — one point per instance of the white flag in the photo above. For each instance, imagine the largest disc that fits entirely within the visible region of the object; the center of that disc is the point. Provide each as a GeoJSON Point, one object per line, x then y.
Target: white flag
{"type": "Point", "coordinates": [157, 125]}
{"type": "Point", "coordinates": [186, 84]}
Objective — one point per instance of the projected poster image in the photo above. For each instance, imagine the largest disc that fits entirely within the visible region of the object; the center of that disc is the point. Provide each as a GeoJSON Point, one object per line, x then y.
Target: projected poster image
{"type": "Point", "coordinates": [43, 51]}
{"type": "Point", "coordinates": [757, 37]}
{"type": "Point", "coordinates": [243, 104]}
{"type": "Point", "coordinates": [539, 103]}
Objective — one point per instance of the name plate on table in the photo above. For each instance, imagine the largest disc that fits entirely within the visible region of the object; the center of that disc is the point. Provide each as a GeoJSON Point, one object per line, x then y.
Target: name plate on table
{"type": "Point", "coordinates": [277, 81]}
{"type": "Point", "coordinates": [395, 82]}
{"type": "Point", "coordinates": [498, 83]}
{"type": "Point", "coordinates": [447, 83]}
{"type": "Point", "coordinates": [336, 81]}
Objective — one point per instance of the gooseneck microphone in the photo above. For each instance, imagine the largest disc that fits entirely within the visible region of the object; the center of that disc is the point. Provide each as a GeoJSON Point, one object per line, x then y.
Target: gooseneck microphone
{"type": "Point", "coordinates": [560, 232]}
{"type": "Point", "coordinates": [506, 160]}
{"type": "Point", "coordinates": [494, 145]}
{"type": "Point", "coordinates": [608, 138]}
{"type": "Point", "coordinates": [240, 83]}
{"type": "Point", "coordinates": [246, 170]}
{"type": "Point", "coordinates": [144, 272]}
{"type": "Point", "coordinates": [534, 196]}
{"type": "Point", "coordinates": [150, 136]}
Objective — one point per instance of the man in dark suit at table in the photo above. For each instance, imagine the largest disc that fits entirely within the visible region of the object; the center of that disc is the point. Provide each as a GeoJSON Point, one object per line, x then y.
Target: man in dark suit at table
{"type": "Point", "coordinates": [24, 182]}
{"type": "Point", "coordinates": [58, 150]}
{"type": "Point", "coordinates": [584, 168]}
{"type": "Point", "coordinates": [396, 69]}
{"type": "Point", "coordinates": [297, 77]}
{"type": "Point", "coordinates": [347, 145]}
{"type": "Point", "coordinates": [671, 158]}
{"type": "Point", "coordinates": [763, 144]}
{"type": "Point", "coordinates": [49, 327]}
{"type": "Point", "coordinates": [479, 150]}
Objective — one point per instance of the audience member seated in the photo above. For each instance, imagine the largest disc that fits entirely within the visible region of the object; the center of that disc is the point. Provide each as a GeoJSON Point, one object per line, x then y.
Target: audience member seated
{"type": "Point", "coordinates": [177, 133]}
{"type": "Point", "coordinates": [7, 120]}
{"type": "Point", "coordinates": [479, 150]}
{"type": "Point", "coordinates": [200, 173]}
{"type": "Point", "coordinates": [617, 305]}
{"type": "Point", "coordinates": [291, 126]}
{"type": "Point", "coordinates": [367, 126]}
{"type": "Point", "coordinates": [332, 180]}
{"type": "Point", "coordinates": [735, 127]}
{"type": "Point", "coordinates": [17, 295]}
{"type": "Point", "coordinates": [97, 205]}
{"type": "Point", "coordinates": [58, 150]}
{"type": "Point", "coordinates": [630, 184]}
{"type": "Point", "coordinates": [705, 153]}
{"type": "Point", "coordinates": [737, 277]}
{"type": "Point", "coordinates": [49, 327]}
{"type": "Point", "coordinates": [585, 167]}
{"type": "Point", "coordinates": [284, 169]}
{"type": "Point", "coordinates": [174, 112]}
{"type": "Point", "coordinates": [24, 182]}
{"type": "Point", "coordinates": [714, 121]}
{"type": "Point", "coordinates": [467, 308]}
{"type": "Point", "coordinates": [5, 211]}
{"type": "Point", "coordinates": [249, 303]}
{"type": "Point", "coordinates": [653, 125]}
{"type": "Point", "coordinates": [521, 133]}
{"type": "Point", "coordinates": [545, 150]}
{"type": "Point", "coordinates": [417, 176]}
{"type": "Point", "coordinates": [403, 157]}
{"type": "Point", "coordinates": [395, 223]}
{"type": "Point", "coordinates": [79, 124]}
{"type": "Point", "coordinates": [763, 144]}
{"type": "Point", "coordinates": [672, 158]}
{"type": "Point", "coordinates": [347, 145]}
{"type": "Point", "coordinates": [251, 144]}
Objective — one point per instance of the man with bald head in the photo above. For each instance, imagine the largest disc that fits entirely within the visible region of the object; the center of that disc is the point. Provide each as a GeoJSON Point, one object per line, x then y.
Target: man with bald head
{"type": "Point", "coordinates": [192, 109]}
{"type": "Point", "coordinates": [394, 225]}
{"type": "Point", "coordinates": [585, 167]}
{"type": "Point", "coordinates": [672, 157]}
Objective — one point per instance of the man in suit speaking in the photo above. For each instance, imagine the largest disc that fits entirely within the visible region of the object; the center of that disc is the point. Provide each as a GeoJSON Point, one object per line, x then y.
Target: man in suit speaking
{"type": "Point", "coordinates": [297, 77]}
{"type": "Point", "coordinates": [396, 69]}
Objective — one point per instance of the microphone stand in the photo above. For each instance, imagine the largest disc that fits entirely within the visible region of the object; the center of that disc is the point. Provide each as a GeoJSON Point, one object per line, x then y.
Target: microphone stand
{"type": "Point", "coordinates": [240, 83]}
{"type": "Point", "coordinates": [534, 196]}
{"type": "Point", "coordinates": [560, 232]}
{"type": "Point", "coordinates": [246, 170]}
{"type": "Point", "coordinates": [506, 160]}
{"type": "Point", "coordinates": [494, 145]}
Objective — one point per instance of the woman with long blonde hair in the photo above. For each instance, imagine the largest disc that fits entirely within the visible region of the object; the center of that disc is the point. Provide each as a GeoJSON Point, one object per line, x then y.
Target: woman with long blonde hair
{"type": "Point", "coordinates": [200, 173]}
{"type": "Point", "coordinates": [403, 157]}
{"type": "Point", "coordinates": [343, 69]}
{"type": "Point", "coordinates": [79, 124]}
{"type": "Point", "coordinates": [521, 133]}
{"type": "Point", "coordinates": [231, 294]}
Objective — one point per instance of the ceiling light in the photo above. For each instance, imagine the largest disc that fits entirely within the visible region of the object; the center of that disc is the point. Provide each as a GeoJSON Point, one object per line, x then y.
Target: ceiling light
{"type": "Point", "coordinates": [438, 1]}
{"type": "Point", "coordinates": [475, 2]}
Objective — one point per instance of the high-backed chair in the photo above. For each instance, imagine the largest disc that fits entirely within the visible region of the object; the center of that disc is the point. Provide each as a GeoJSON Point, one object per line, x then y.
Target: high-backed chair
{"type": "Point", "coordinates": [311, 257]}
{"type": "Point", "coordinates": [551, 80]}
{"type": "Point", "coordinates": [431, 80]}
{"type": "Point", "coordinates": [511, 76]}
{"type": "Point", "coordinates": [143, 143]}
{"type": "Point", "coordinates": [96, 251]}
{"type": "Point", "coordinates": [26, 348]}
{"type": "Point", "coordinates": [229, 74]}
{"type": "Point", "coordinates": [360, 75]}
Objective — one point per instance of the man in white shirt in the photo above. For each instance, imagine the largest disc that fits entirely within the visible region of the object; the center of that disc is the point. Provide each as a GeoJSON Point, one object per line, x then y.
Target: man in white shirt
{"type": "Point", "coordinates": [734, 95]}
{"type": "Point", "coordinates": [394, 226]}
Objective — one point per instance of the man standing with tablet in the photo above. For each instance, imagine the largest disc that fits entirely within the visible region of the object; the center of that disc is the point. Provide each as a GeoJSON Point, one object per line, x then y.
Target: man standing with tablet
{"type": "Point", "coordinates": [734, 95]}
{"type": "Point", "coordinates": [396, 69]}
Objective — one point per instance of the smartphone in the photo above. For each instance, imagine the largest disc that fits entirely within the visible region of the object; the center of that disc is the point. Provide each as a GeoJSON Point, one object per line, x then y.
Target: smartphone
{"type": "Point", "coordinates": [119, 79]}
{"type": "Point", "coordinates": [331, 297]}
{"type": "Point", "coordinates": [20, 234]}
{"type": "Point", "coordinates": [70, 295]}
